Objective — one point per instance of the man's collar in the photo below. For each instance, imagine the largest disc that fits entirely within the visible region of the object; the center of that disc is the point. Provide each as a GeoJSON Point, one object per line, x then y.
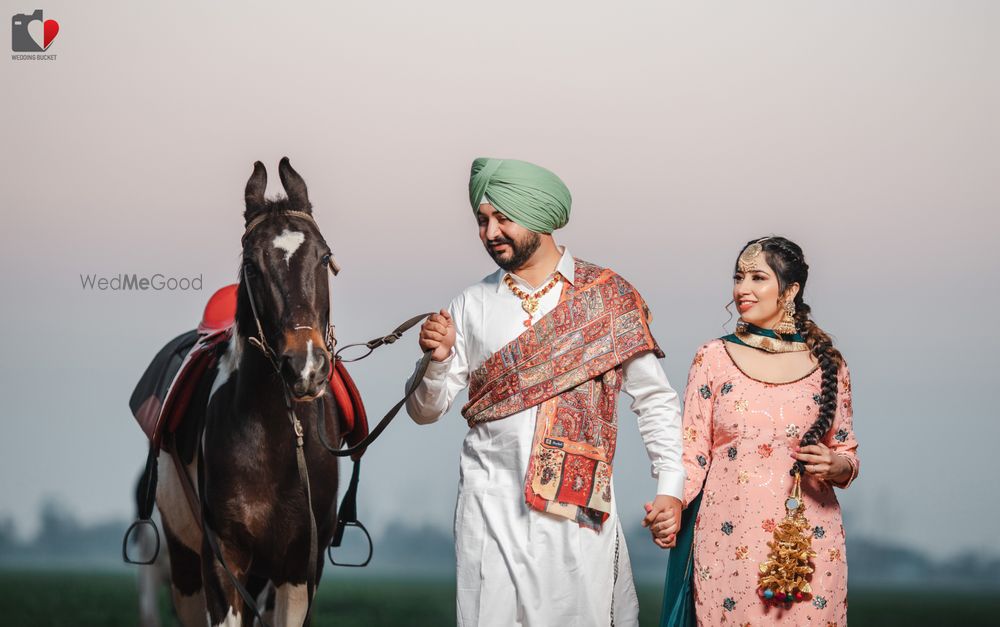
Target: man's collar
{"type": "Point", "coordinates": [565, 267]}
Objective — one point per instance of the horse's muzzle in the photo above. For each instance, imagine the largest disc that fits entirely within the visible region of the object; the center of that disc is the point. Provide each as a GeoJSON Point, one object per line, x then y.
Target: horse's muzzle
{"type": "Point", "coordinates": [306, 372]}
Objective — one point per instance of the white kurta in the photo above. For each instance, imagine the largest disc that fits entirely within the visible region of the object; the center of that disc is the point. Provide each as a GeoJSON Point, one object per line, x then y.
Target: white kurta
{"type": "Point", "coordinates": [516, 565]}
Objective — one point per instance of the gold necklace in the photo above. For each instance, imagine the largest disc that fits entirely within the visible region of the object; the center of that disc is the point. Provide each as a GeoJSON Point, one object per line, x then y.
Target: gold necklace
{"type": "Point", "coordinates": [529, 302]}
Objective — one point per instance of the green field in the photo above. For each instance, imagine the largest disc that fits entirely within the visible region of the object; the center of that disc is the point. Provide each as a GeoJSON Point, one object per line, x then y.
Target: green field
{"type": "Point", "coordinates": [108, 599]}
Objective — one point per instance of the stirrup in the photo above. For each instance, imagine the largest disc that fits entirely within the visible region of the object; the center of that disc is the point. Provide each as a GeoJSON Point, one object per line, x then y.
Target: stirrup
{"type": "Point", "coordinates": [156, 534]}
{"type": "Point", "coordinates": [338, 538]}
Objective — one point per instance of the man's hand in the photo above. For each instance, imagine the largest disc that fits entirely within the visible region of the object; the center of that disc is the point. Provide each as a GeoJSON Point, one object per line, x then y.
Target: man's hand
{"type": "Point", "coordinates": [663, 518]}
{"type": "Point", "coordinates": [438, 334]}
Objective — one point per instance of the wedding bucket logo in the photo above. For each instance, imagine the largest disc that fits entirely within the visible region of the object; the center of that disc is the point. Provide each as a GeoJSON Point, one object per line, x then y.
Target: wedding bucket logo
{"type": "Point", "coordinates": [32, 34]}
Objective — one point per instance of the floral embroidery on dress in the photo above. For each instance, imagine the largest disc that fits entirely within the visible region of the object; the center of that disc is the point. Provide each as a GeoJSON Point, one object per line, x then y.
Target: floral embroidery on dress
{"type": "Point", "coordinates": [743, 447]}
{"type": "Point", "coordinates": [705, 391]}
{"type": "Point", "coordinates": [729, 604]}
{"type": "Point", "coordinates": [690, 433]}
{"type": "Point", "coordinates": [841, 435]}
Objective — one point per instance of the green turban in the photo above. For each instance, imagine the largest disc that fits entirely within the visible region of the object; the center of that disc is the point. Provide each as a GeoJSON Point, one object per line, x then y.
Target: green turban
{"type": "Point", "coordinates": [526, 193]}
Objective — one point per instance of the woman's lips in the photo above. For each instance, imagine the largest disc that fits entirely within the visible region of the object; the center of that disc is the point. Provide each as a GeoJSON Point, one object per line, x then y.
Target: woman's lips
{"type": "Point", "coordinates": [742, 307]}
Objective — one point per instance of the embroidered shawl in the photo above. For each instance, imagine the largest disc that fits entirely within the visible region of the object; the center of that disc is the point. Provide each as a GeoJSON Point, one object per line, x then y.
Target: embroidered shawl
{"type": "Point", "coordinates": [568, 363]}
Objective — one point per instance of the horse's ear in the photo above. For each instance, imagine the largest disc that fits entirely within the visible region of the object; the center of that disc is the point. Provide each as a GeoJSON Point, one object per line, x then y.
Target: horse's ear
{"type": "Point", "coordinates": [254, 194]}
{"type": "Point", "coordinates": [294, 186]}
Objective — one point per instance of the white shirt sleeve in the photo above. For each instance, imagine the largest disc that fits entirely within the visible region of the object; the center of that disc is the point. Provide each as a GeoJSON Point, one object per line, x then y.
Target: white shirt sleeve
{"type": "Point", "coordinates": [658, 407]}
{"type": "Point", "coordinates": [444, 380]}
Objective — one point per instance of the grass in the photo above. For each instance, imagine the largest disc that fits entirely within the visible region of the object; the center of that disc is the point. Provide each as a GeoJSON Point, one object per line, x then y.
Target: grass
{"type": "Point", "coordinates": [30, 598]}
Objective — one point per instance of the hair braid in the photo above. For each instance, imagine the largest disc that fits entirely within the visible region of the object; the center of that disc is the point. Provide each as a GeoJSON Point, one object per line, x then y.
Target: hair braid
{"type": "Point", "coordinates": [788, 262]}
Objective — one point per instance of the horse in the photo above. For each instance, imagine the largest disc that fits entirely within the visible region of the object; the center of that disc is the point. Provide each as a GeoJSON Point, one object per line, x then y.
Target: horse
{"type": "Point", "coordinates": [262, 481]}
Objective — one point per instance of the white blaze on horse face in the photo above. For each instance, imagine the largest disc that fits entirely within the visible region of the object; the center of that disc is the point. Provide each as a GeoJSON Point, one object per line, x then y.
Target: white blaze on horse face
{"type": "Point", "coordinates": [289, 241]}
{"type": "Point", "coordinates": [307, 370]}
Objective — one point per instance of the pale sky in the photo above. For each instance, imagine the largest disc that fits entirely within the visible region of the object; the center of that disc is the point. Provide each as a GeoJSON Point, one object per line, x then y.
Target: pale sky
{"type": "Point", "coordinates": [867, 132]}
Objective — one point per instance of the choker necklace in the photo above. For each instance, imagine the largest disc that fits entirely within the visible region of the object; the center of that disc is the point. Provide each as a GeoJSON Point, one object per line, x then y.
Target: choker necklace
{"type": "Point", "coordinates": [766, 340]}
{"type": "Point", "coordinates": [529, 302]}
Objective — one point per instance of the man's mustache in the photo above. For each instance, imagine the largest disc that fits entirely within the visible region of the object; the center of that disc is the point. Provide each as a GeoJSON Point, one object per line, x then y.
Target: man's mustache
{"type": "Point", "coordinates": [498, 242]}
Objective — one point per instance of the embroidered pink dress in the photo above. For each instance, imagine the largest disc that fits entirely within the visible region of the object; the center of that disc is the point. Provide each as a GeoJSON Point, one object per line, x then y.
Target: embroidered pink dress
{"type": "Point", "coordinates": [738, 437]}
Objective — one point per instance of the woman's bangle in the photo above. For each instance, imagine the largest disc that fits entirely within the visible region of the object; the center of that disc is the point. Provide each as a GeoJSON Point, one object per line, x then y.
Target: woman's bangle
{"type": "Point", "coordinates": [854, 471]}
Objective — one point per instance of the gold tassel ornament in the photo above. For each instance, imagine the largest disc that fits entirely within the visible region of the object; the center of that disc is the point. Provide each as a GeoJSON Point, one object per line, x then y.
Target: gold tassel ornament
{"type": "Point", "coordinates": [784, 576]}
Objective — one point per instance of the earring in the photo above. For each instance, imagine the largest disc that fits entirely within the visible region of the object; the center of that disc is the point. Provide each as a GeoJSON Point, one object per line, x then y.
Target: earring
{"type": "Point", "coordinates": [787, 325]}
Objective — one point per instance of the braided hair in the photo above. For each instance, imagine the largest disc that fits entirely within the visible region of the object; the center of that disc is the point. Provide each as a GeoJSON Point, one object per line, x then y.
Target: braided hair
{"type": "Point", "coordinates": [789, 264]}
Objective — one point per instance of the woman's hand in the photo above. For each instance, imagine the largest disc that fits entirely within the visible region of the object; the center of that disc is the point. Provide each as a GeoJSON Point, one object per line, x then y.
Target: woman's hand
{"type": "Point", "coordinates": [823, 463]}
{"type": "Point", "coordinates": [663, 520]}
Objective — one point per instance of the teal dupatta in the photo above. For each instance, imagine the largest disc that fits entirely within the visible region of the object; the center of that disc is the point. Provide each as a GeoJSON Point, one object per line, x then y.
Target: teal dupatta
{"type": "Point", "coordinates": [678, 591]}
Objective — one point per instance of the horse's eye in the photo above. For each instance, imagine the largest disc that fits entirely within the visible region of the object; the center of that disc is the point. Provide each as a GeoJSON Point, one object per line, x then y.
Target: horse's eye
{"type": "Point", "coordinates": [326, 258]}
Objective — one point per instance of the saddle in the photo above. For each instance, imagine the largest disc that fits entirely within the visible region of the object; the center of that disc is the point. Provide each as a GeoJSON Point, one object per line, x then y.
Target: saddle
{"type": "Point", "coordinates": [162, 399]}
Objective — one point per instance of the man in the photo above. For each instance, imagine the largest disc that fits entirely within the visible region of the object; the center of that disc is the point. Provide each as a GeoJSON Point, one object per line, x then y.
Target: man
{"type": "Point", "coordinates": [544, 344]}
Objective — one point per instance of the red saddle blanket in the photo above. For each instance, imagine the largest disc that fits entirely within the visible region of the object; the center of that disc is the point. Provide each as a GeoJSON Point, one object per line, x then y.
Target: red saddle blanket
{"type": "Point", "coordinates": [164, 393]}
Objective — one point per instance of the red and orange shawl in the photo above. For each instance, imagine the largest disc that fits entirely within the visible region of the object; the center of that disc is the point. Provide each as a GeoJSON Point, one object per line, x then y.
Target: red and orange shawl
{"type": "Point", "coordinates": [569, 363]}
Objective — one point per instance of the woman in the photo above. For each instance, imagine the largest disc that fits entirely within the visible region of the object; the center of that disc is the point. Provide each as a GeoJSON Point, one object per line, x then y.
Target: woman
{"type": "Point", "coordinates": [763, 404]}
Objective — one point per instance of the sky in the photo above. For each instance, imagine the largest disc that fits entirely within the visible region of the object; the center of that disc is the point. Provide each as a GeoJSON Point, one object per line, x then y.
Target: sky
{"type": "Point", "coordinates": [866, 132]}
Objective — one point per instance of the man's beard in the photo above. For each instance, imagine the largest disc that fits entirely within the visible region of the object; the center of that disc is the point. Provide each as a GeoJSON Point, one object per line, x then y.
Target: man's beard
{"type": "Point", "coordinates": [520, 253]}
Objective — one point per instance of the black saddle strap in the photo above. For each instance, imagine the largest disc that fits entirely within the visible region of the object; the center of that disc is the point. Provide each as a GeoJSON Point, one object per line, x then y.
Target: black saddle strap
{"type": "Point", "coordinates": [348, 506]}
{"type": "Point", "coordinates": [145, 500]}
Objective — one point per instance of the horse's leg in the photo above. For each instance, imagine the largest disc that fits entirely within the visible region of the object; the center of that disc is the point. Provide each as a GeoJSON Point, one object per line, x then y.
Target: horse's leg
{"type": "Point", "coordinates": [266, 601]}
{"type": "Point", "coordinates": [291, 603]}
{"type": "Point", "coordinates": [224, 603]}
{"type": "Point", "coordinates": [256, 586]}
{"type": "Point", "coordinates": [183, 538]}
{"type": "Point", "coordinates": [319, 575]}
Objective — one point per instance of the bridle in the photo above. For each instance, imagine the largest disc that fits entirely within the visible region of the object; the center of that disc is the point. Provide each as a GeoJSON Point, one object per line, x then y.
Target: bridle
{"type": "Point", "coordinates": [260, 341]}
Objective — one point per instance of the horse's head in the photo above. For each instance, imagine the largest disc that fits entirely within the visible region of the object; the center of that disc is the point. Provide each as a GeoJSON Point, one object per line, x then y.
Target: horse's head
{"type": "Point", "coordinates": [285, 261]}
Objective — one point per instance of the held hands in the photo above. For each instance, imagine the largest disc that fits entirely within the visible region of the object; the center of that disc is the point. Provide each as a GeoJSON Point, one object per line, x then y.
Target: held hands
{"type": "Point", "coordinates": [438, 334]}
{"type": "Point", "coordinates": [663, 518]}
{"type": "Point", "coordinates": [822, 463]}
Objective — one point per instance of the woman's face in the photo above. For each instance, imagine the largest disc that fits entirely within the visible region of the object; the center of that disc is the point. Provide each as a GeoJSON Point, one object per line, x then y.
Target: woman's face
{"type": "Point", "coordinates": [756, 294]}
